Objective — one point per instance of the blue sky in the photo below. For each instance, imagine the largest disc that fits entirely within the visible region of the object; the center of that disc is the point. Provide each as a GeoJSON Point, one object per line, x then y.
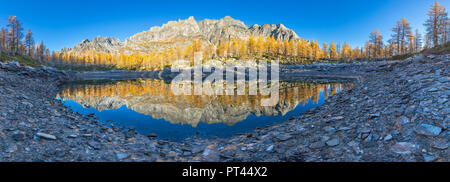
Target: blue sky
{"type": "Point", "coordinates": [65, 23]}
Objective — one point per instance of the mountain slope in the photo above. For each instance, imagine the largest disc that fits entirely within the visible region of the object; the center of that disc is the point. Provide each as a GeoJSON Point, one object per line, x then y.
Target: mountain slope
{"type": "Point", "coordinates": [181, 33]}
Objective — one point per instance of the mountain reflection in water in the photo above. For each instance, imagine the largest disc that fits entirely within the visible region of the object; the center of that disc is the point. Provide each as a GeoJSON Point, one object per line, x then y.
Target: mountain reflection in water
{"type": "Point", "coordinates": [150, 106]}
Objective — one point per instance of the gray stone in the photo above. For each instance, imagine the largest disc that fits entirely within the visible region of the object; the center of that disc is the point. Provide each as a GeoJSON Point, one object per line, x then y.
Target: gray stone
{"type": "Point", "coordinates": [121, 155]}
{"type": "Point", "coordinates": [187, 153]}
{"type": "Point", "coordinates": [72, 136]}
{"type": "Point", "coordinates": [344, 128]}
{"type": "Point", "coordinates": [270, 148]}
{"type": "Point", "coordinates": [388, 137]}
{"type": "Point", "coordinates": [46, 136]}
{"type": "Point", "coordinates": [372, 116]}
{"type": "Point", "coordinates": [433, 90]}
{"type": "Point", "coordinates": [376, 137]}
{"type": "Point", "coordinates": [211, 155]}
{"type": "Point", "coordinates": [14, 63]}
{"type": "Point", "coordinates": [11, 148]}
{"type": "Point", "coordinates": [317, 145]}
{"type": "Point", "coordinates": [283, 137]}
{"type": "Point", "coordinates": [27, 104]}
{"type": "Point", "coordinates": [403, 120]}
{"type": "Point", "coordinates": [18, 137]}
{"type": "Point", "coordinates": [364, 130]}
{"type": "Point", "coordinates": [442, 145]}
{"type": "Point", "coordinates": [95, 145]}
{"type": "Point", "coordinates": [196, 149]}
{"type": "Point", "coordinates": [442, 123]}
{"type": "Point", "coordinates": [428, 158]}
{"type": "Point", "coordinates": [329, 129]}
{"type": "Point", "coordinates": [355, 147]}
{"type": "Point", "coordinates": [324, 138]}
{"type": "Point", "coordinates": [337, 118]}
{"type": "Point", "coordinates": [442, 100]}
{"type": "Point", "coordinates": [428, 130]}
{"type": "Point", "coordinates": [403, 148]}
{"type": "Point", "coordinates": [333, 142]}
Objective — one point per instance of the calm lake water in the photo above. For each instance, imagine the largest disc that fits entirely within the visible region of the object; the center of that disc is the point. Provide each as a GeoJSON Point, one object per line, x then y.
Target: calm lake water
{"type": "Point", "coordinates": [150, 107]}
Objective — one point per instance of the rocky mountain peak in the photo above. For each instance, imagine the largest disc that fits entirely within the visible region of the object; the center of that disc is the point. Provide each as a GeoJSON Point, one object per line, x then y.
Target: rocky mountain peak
{"type": "Point", "coordinates": [279, 32]}
{"type": "Point", "coordinates": [227, 18]}
{"type": "Point", "coordinates": [85, 41]}
{"type": "Point", "coordinates": [191, 18]}
{"type": "Point", "coordinates": [181, 33]}
{"type": "Point", "coordinates": [99, 44]}
{"type": "Point", "coordinates": [255, 26]}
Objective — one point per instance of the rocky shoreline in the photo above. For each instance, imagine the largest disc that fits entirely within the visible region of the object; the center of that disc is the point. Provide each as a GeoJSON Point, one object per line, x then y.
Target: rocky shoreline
{"type": "Point", "coordinates": [398, 111]}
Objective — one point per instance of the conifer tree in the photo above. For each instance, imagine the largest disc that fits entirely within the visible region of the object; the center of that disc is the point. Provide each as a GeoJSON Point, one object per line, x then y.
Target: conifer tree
{"type": "Point", "coordinates": [29, 41]}
{"type": "Point", "coordinates": [436, 24]}
{"type": "Point", "coordinates": [15, 34]}
{"type": "Point", "coordinates": [333, 51]}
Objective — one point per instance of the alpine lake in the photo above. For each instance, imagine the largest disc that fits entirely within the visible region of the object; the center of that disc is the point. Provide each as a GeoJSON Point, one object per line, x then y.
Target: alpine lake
{"type": "Point", "coordinates": [151, 108]}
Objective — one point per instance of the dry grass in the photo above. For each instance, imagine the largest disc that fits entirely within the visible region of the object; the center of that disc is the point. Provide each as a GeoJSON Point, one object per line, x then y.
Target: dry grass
{"type": "Point", "coordinates": [439, 50]}
{"type": "Point", "coordinates": [23, 60]}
